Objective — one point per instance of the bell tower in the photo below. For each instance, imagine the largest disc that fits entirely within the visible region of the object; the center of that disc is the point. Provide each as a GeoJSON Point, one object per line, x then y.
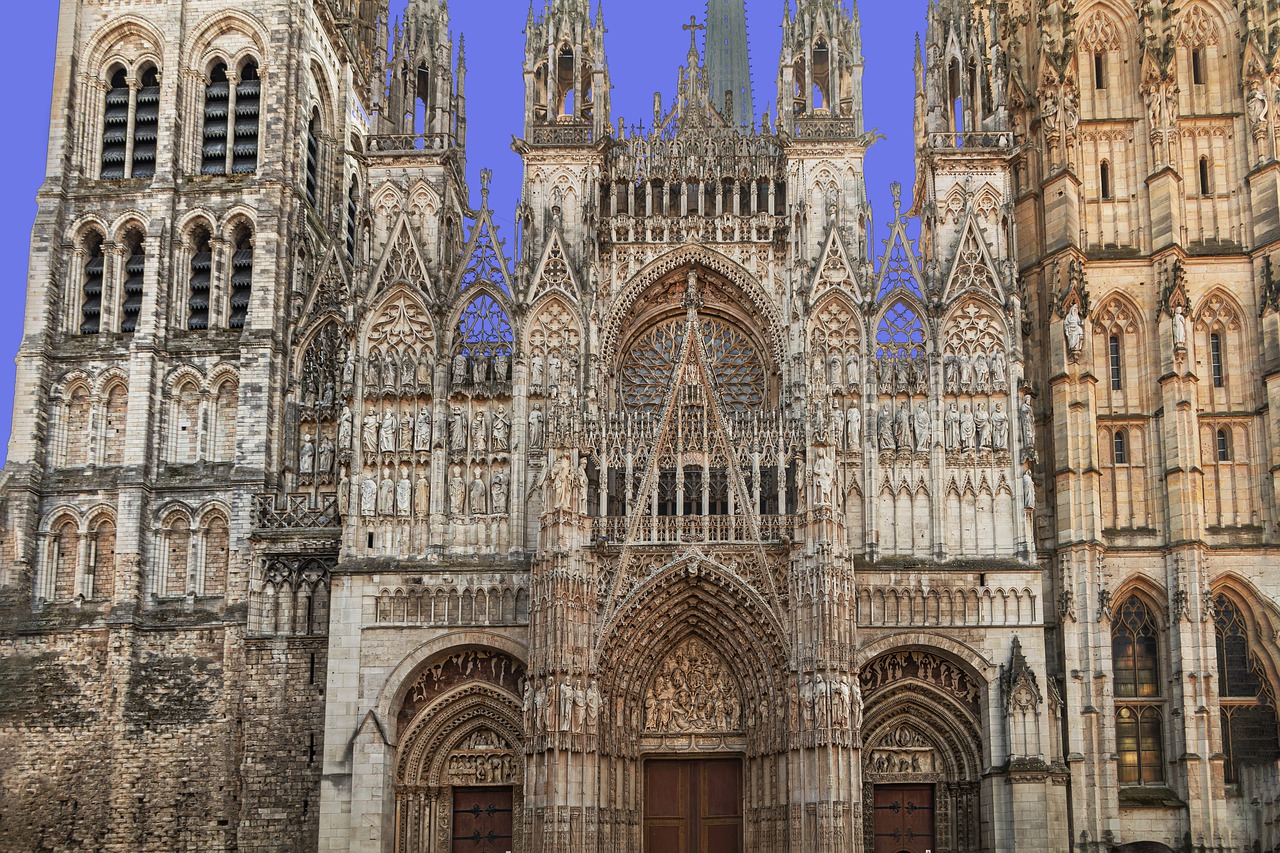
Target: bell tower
{"type": "Point", "coordinates": [427, 92]}
{"type": "Point", "coordinates": [820, 73]}
{"type": "Point", "coordinates": [566, 76]}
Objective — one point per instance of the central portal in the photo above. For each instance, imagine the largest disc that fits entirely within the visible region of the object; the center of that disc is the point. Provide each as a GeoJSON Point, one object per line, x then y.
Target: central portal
{"type": "Point", "coordinates": [693, 806]}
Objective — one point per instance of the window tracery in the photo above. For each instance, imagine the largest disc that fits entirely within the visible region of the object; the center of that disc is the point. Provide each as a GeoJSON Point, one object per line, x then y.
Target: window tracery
{"type": "Point", "coordinates": [1135, 664]}
{"type": "Point", "coordinates": [485, 343]}
{"type": "Point", "coordinates": [732, 357]}
{"type": "Point", "coordinates": [898, 273]}
{"type": "Point", "coordinates": [1247, 700]}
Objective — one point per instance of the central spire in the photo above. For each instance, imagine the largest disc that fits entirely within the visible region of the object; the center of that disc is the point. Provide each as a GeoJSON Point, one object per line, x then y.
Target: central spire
{"type": "Point", "coordinates": [729, 61]}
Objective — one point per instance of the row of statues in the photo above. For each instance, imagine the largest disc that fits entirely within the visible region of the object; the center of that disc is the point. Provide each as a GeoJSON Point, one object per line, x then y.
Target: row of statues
{"type": "Point", "coordinates": [566, 706]}
{"type": "Point", "coordinates": [316, 461]}
{"type": "Point", "coordinates": [387, 497]}
{"type": "Point", "coordinates": [392, 372]}
{"type": "Point", "coordinates": [976, 373]}
{"type": "Point", "coordinates": [479, 367]}
{"type": "Point", "coordinates": [977, 430]}
{"type": "Point", "coordinates": [835, 701]}
{"type": "Point", "coordinates": [905, 374]}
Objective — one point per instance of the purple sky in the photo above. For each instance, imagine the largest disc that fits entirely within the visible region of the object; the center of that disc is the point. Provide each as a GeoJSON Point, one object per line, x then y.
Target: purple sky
{"type": "Point", "coordinates": [645, 46]}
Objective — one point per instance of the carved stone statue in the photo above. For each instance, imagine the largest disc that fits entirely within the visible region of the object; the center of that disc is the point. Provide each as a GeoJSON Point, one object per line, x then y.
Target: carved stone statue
{"type": "Point", "coordinates": [404, 495]}
{"type": "Point", "coordinates": [345, 424]}
{"type": "Point", "coordinates": [823, 480]}
{"type": "Point", "coordinates": [479, 495]}
{"type": "Point", "coordinates": [1073, 330]}
{"type": "Point", "coordinates": [501, 368]}
{"type": "Point", "coordinates": [406, 432]}
{"type": "Point", "coordinates": [388, 434]}
{"type": "Point", "coordinates": [369, 496]}
{"type": "Point", "coordinates": [923, 428]}
{"type": "Point", "coordinates": [422, 430]}
{"type": "Point", "coordinates": [982, 424]}
{"type": "Point", "coordinates": [968, 430]}
{"type": "Point", "coordinates": [387, 495]}
{"type": "Point", "coordinates": [1027, 420]}
{"type": "Point", "coordinates": [499, 492]}
{"type": "Point", "coordinates": [459, 376]}
{"type": "Point", "coordinates": [480, 433]}
{"type": "Point", "coordinates": [457, 491]}
{"type": "Point", "coordinates": [885, 428]}
{"type": "Point", "coordinates": [981, 373]}
{"type": "Point", "coordinates": [1179, 329]}
{"type": "Point", "coordinates": [344, 493]}
{"type": "Point", "coordinates": [854, 428]}
{"type": "Point", "coordinates": [902, 426]}
{"type": "Point", "coordinates": [424, 373]}
{"type": "Point", "coordinates": [501, 430]}
{"type": "Point", "coordinates": [835, 368]}
{"type": "Point", "coordinates": [951, 374]}
{"type": "Point", "coordinates": [853, 375]}
{"type": "Point", "coordinates": [561, 483]}
{"type": "Point", "coordinates": [1000, 428]}
{"type": "Point", "coordinates": [458, 431]}
{"type": "Point", "coordinates": [369, 435]}
{"type": "Point", "coordinates": [479, 369]}
{"type": "Point", "coordinates": [553, 371]}
{"type": "Point", "coordinates": [307, 456]}
{"type": "Point", "coordinates": [422, 495]}
{"type": "Point", "coordinates": [390, 371]}
{"type": "Point", "coordinates": [325, 456]}
{"type": "Point", "coordinates": [537, 371]}
{"type": "Point", "coordinates": [999, 371]}
{"type": "Point", "coordinates": [966, 373]}
{"type": "Point", "coordinates": [953, 427]}
{"type": "Point", "coordinates": [837, 427]}
{"type": "Point", "coordinates": [1028, 490]}
{"type": "Point", "coordinates": [349, 371]}
{"type": "Point", "coordinates": [535, 428]}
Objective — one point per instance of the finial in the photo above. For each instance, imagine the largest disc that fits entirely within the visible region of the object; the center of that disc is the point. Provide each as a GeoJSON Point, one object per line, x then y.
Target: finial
{"type": "Point", "coordinates": [896, 189]}
{"type": "Point", "coordinates": [692, 293]}
{"type": "Point", "coordinates": [693, 26]}
{"type": "Point", "coordinates": [486, 177]}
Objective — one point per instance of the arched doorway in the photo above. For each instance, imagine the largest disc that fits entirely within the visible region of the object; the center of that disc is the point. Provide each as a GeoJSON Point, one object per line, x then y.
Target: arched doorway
{"type": "Point", "coordinates": [459, 770]}
{"type": "Point", "coordinates": [921, 751]}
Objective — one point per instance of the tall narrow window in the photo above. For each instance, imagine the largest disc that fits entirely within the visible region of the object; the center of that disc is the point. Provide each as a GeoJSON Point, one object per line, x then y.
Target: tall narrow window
{"type": "Point", "coordinates": [353, 209]}
{"type": "Point", "coordinates": [1099, 70]}
{"type": "Point", "coordinates": [313, 157]}
{"type": "Point", "coordinates": [216, 545]}
{"type": "Point", "coordinates": [100, 580]}
{"type": "Point", "coordinates": [1139, 718]}
{"type": "Point", "coordinates": [244, 153]}
{"type": "Point", "coordinates": [135, 267]}
{"type": "Point", "coordinates": [1224, 446]}
{"type": "Point", "coordinates": [201, 277]}
{"type": "Point", "coordinates": [1205, 187]}
{"type": "Point", "coordinates": [1247, 701]}
{"type": "Point", "coordinates": [1120, 447]}
{"type": "Point", "coordinates": [241, 279]}
{"type": "Point", "coordinates": [1197, 66]}
{"type": "Point", "coordinates": [115, 128]}
{"type": "Point", "coordinates": [146, 124]}
{"type": "Point", "coordinates": [1117, 369]}
{"type": "Point", "coordinates": [1104, 179]}
{"type": "Point", "coordinates": [217, 109]}
{"type": "Point", "coordinates": [91, 300]}
{"type": "Point", "coordinates": [178, 555]}
{"type": "Point", "coordinates": [1215, 354]}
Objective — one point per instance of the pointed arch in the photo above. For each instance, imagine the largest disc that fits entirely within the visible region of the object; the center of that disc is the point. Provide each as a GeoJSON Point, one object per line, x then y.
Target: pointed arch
{"type": "Point", "coordinates": [902, 326]}
{"type": "Point", "coordinates": [974, 270]}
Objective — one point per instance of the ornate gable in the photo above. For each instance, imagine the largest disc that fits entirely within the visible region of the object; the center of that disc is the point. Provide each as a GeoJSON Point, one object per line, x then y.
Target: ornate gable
{"type": "Point", "coordinates": [836, 270]}
{"type": "Point", "coordinates": [973, 269]}
{"type": "Point", "coordinates": [403, 262]}
{"type": "Point", "coordinates": [554, 272]}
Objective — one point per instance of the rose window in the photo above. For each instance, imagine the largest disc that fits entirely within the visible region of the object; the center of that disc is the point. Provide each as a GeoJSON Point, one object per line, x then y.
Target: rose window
{"type": "Point", "coordinates": [733, 361]}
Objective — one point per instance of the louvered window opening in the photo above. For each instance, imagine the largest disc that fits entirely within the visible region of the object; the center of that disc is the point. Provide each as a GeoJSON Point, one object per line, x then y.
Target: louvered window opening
{"type": "Point", "coordinates": [352, 210]}
{"type": "Point", "coordinates": [115, 129]}
{"type": "Point", "coordinates": [91, 305]}
{"type": "Point", "coordinates": [248, 109]}
{"type": "Point", "coordinates": [217, 105]}
{"type": "Point", "coordinates": [241, 284]}
{"type": "Point", "coordinates": [201, 278]}
{"type": "Point", "coordinates": [146, 124]}
{"type": "Point", "coordinates": [313, 158]}
{"type": "Point", "coordinates": [134, 269]}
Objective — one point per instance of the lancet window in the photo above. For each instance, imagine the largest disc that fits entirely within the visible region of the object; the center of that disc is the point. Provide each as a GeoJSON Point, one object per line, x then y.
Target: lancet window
{"type": "Point", "coordinates": [91, 288]}
{"type": "Point", "coordinates": [485, 340]}
{"type": "Point", "coordinates": [1135, 652]}
{"type": "Point", "coordinates": [1246, 699]}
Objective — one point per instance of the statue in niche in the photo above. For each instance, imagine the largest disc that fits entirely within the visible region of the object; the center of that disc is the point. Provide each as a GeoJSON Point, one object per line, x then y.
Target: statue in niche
{"type": "Point", "coordinates": [325, 455]}
{"type": "Point", "coordinates": [422, 495]}
{"type": "Point", "coordinates": [535, 428]}
{"type": "Point", "coordinates": [999, 371]}
{"type": "Point", "coordinates": [1027, 420]}
{"type": "Point", "coordinates": [409, 376]}
{"type": "Point", "coordinates": [479, 368]}
{"type": "Point", "coordinates": [390, 371]}
{"type": "Point", "coordinates": [1258, 107]}
{"type": "Point", "coordinates": [422, 430]}
{"type": "Point", "coordinates": [404, 494]}
{"type": "Point", "coordinates": [372, 373]}
{"type": "Point", "coordinates": [966, 373]}
{"type": "Point", "coordinates": [327, 391]}
{"type": "Point", "coordinates": [885, 428]}
{"type": "Point", "coordinates": [823, 479]}
{"type": "Point", "coordinates": [424, 373]}
{"type": "Point", "coordinates": [873, 374]}
{"type": "Point", "coordinates": [369, 496]}
{"type": "Point", "coordinates": [480, 433]}
{"type": "Point", "coordinates": [349, 371]}
{"type": "Point", "coordinates": [479, 495]}
{"type": "Point", "coordinates": [501, 367]}
{"type": "Point", "coordinates": [458, 431]}
{"type": "Point", "coordinates": [459, 370]}
{"type": "Point", "coordinates": [501, 430]}
{"type": "Point", "coordinates": [499, 492]}
{"type": "Point", "coordinates": [953, 427]}
{"type": "Point", "coordinates": [553, 371]}
{"type": "Point", "coordinates": [981, 373]}
{"type": "Point", "coordinates": [836, 365]}
{"type": "Point", "coordinates": [853, 378]}
{"type": "Point", "coordinates": [536, 371]}
{"type": "Point", "coordinates": [566, 705]}
{"type": "Point", "coordinates": [1000, 428]}
{"type": "Point", "coordinates": [1073, 330]}
{"type": "Point", "coordinates": [854, 428]}
{"type": "Point", "coordinates": [901, 377]}
{"type": "Point", "coordinates": [982, 425]}
{"type": "Point", "coordinates": [561, 483]}
{"type": "Point", "coordinates": [968, 429]}
{"type": "Point", "coordinates": [1179, 329]}
{"type": "Point", "coordinates": [924, 428]}
{"type": "Point", "coordinates": [579, 707]}
{"type": "Point", "coordinates": [345, 424]}
{"type": "Point", "coordinates": [307, 456]}
{"type": "Point", "coordinates": [388, 436]}
{"type": "Point", "coordinates": [457, 491]}
{"type": "Point", "coordinates": [581, 483]}
{"type": "Point", "coordinates": [806, 702]}
{"type": "Point", "coordinates": [369, 435]}
{"type": "Point", "coordinates": [344, 493]}
{"type": "Point", "coordinates": [1028, 490]}
{"type": "Point", "coordinates": [594, 702]}
{"type": "Point", "coordinates": [406, 431]}
{"type": "Point", "coordinates": [902, 426]}
{"type": "Point", "coordinates": [951, 374]}
{"type": "Point", "coordinates": [387, 494]}
{"type": "Point", "coordinates": [920, 375]}
{"type": "Point", "coordinates": [837, 427]}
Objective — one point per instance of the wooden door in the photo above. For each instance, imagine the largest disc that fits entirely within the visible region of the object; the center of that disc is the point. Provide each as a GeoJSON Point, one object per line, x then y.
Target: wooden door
{"type": "Point", "coordinates": [903, 818]}
{"type": "Point", "coordinates": [693, 806]}
{"type": "Point", "coordinates": [482, 820]}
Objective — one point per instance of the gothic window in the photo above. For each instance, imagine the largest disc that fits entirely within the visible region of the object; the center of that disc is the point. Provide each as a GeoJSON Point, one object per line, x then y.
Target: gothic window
{"type": "Point", "coordinates": [313, 157]}
{"type": "Point", "coordinates": [898, 273]}
{"type": "Point", "coordinates": [1224, 446]}
{"type": "Point", "coordinates": [146, 121]}
{"type": "Point", "coordinates": [1099, 70]}
{"type": "Point", "coordinates": [353, 210]}
{"type": "Point", "coordinates": [91, 300]}
{"type": "Point", "coordinates": [1205, 187]}
{"type": "Point", "coordinates": [901, 333]}
{"type": "Point", "coordinates": [75, 438]}
{"type": "Point", "coordinates": [115, 127]}
{"type": "Point", "coordinates": [241, 279]}
{"type": "Point", "coordinates": [1215, 354]}
{"type": "Point", "coordinates": [1247, 701]}
{"type": "Point", "coordinates": [1104, 180]}
{"type": "Point", "coordinates": [100, 581]}
{"type": "Point", "coordinates": [65, 559]}
{"type": "Point", "coordinates": [484, 265]}
{"type": "Point", "coordinates": [201, 277]}
{"type": "Point", "coordinates": [217, 108]}
{"type": "Point", "coordinates": [177, 553]}
{"type": "Point", "coordinates": [1139, 714]}
{"type": "Point", "coordinates": [216, 545]}
{"type": "Point", "coordinates": [1120, 447]}
{"type": "Point", "coordinates": [135, 267]}
{"type": "Point", "coordinates": [1117, 363]}
{"type": "Point", "coordinates": [732, 358]}
{"type": "Point", "coordinates": [244, 152]}
{"type": "Point", "coordinates": [485, 332]}
{"type": "Point", "coordinates": [1197, 66]}
{"type": "Point", "coordinates": [186, 425]}
{"type": "Point", "coordinates": [115, 417]}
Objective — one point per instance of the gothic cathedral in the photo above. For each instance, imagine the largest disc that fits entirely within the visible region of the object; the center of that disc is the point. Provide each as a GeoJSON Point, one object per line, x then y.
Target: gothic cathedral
{"type": "Point", "coordinates": [700, 513]}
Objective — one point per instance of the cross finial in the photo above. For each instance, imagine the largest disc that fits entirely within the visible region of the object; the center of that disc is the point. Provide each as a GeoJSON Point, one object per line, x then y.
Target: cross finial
{"type": "Point", "coordinates": [693, 26]}
{"type": "Point", "coordinates": [486, 177]}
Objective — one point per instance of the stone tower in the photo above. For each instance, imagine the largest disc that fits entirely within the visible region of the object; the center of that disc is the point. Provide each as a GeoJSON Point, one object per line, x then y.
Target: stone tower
{"type": "Point", "coordinates": [729, 61]}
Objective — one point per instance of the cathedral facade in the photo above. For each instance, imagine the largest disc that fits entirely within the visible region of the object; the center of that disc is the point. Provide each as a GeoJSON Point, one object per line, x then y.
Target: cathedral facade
{"type": "Point", "coordinates": [696, 515]}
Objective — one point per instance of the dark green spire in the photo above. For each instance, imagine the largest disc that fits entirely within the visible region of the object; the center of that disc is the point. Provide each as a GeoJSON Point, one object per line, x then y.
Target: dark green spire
{"type": "Point", "coordinates": [728, 59]}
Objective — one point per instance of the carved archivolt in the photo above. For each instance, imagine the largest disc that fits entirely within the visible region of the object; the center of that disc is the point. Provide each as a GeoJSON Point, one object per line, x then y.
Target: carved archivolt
{"type": "Point", "coordinates": [1100, 31]}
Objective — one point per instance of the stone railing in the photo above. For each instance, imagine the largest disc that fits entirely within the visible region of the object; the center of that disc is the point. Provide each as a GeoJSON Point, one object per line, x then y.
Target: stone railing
{"type": "Point", "coordinates": [410, 143]}
{"type": "Point", "coordinates": [972, 140]}
{"type": "Point", "coordinates": [947, 607]}
{"type": "Point", "coordinates": [825, 127]}
{"type": "Point", "coordinates": [576, 133]}
{"type": "Point", "coordinates": [296, 512]}
{"type": "Point", "coordinates": [725, 228]}
{"type": "Point", "coordinates": [614, 530]}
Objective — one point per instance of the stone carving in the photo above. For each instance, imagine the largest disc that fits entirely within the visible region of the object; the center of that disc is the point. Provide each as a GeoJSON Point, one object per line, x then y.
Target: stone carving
{"type": "Point", "coordinates": [1027, 421]}
{"type": "Point", "coordinates": [404, 494]}
{"type": "Point", "coordinates": [923, 428]}
{"type": "Point", "coordinates": [369, 496]}
{"type": "Point", "coordinates": [693, 691]}
{"type": "Point", "coordinates": [830, 701]}
{"type": "Point", "coordinates": [387, 435]}
{"type": "Point", "coordinates": [324, 459]}
{"type": "Point", "coordinates": [459, 376]}
{"type": "Point", "coordinates": [501, 430]}
{"type": "Point", "coordinates": [458, 432]}
{"type": "Point", "coordinates": [999, 428]}
{"type": "Point", "coordinates": [1179, 330]}
{"type": "Point", "coordinates": [479, 494]}
{"type": "Point", "coordinates": [422, 495]}
{"type": "Point", "coordinates": [535, 428]}
{"type": "Point", "coordinates": [854, 429]}
{"type": "Point", "coordinates": [887, 670]}
{"type": "Point", "coordinates": [307, 457]}
{"type": "Point", "coordinates": [345, 423]}
{"type": "Point", "coordinates": [902, 751]}
{"type": "Point", "coordinates": [1073, 330]}
{"type": "Point", "coordinates": [457, 491]}
{"type": "Point", "coordinates": [387, 495]}
{"type": "Point", "coordinates": [369, 436]}
{"type": "Point", "coordinates": [422, 430]}
{"type": "Point", "coordinates": [480, 433]}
